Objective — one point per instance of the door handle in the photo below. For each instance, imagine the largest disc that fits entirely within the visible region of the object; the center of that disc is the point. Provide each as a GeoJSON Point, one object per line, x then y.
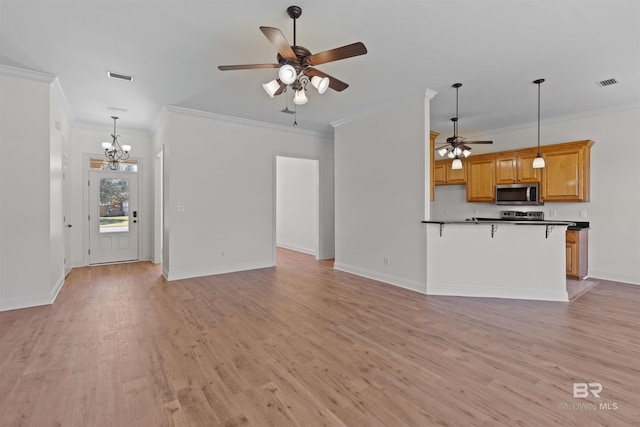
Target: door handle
{"type": "Point", "coordinates": [69, 225]}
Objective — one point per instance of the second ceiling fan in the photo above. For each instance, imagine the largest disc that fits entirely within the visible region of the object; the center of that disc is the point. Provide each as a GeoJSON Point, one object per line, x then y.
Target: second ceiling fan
{"type": "Point", "coordinates": [296, 63]}
{"type": "Point", "coordinates": [456, 145]}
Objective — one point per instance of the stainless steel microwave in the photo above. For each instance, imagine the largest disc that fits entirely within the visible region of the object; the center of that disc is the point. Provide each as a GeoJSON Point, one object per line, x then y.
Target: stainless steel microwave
{"type": "Point", "coordinates": [518, 194]}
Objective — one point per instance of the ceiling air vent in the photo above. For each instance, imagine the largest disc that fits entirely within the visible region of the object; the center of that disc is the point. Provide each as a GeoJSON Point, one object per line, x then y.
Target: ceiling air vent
{"type": "Point", "coordinates": [608, 82]}
{"type": "Point", "coordinates": [113, 75]}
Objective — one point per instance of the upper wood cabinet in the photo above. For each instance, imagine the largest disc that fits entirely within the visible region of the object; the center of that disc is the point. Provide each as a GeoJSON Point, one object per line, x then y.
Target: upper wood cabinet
{"type": "Point", "coordinates": [481, 179]}
{"type": "Point", "coordinates": [511, 169]}
{"type": "Point", "coordinates": [566, 176]}
{"type": "Point", "coordinates": [432, 148]}
{"type": "Point", "coordinates": [443, 174]}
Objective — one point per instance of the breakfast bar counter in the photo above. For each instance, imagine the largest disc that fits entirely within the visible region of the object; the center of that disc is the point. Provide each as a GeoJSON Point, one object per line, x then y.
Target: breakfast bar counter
{"type": "Point", "coordinates": [497, 259]}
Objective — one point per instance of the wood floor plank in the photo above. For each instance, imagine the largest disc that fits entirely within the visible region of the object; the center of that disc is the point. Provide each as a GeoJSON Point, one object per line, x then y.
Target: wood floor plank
{"type": "Point", "coordinates": [303, 344]}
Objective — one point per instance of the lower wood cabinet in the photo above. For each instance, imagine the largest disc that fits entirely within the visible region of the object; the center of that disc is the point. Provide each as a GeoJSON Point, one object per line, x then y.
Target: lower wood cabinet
{"type": "Point", "coordinates": [577, 253]}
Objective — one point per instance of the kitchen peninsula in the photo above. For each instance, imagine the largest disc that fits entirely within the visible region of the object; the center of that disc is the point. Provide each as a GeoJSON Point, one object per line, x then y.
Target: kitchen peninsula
{"type": "Point", "coordinates": [497, 259]}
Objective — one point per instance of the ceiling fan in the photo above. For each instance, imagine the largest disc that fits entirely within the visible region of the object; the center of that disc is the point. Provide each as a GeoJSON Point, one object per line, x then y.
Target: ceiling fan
{"type": "Point", "coordinates": [296, 63]}
{"type": "Point", "coordinates": [456, 144]}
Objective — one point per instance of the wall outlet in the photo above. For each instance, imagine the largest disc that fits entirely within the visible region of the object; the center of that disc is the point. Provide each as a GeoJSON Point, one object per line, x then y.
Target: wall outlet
{"type": "Point", "coordinates": [583, 213]}
{"type": "Point", "coordinates": [553, 213]}
{"type": "Point", "coordinates": [387, 260]}
{"type": "Point", "coordinates": [179, 208]}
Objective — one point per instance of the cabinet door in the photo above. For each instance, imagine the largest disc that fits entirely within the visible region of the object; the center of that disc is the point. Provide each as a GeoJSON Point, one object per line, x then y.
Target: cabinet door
{"type": "Point", "coordinates": [572, 259]}
{"type": "Point", "coordinates": [563, 176]}
{"type": "Point", "coordinates": [481, 181]}
{"type": "Point", "coordinates": [526, 172]}
{"type": "Point", "coordinates": [506, 170]}
{"type": "Point", "coordinates": [456, 176]}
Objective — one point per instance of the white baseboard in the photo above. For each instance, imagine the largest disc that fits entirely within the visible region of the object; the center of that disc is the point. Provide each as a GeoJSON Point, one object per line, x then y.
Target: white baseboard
{"type": "Point", "coordinates": [614, 277]}
{"type": "Point", "coordinates": [189, 274]}
{"type": "Point", "coordinates": [33, 300]}
{"type": "Point", "coordinates": [490, 292]}
{"type": "Point", "coordinates": [296, 248]}
{"type": "Point", "coordinates": [382, 277]}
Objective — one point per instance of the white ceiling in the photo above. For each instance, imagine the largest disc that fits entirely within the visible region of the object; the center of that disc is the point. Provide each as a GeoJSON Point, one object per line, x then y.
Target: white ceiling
{"type": "Point", "coordinates": [496, 48]}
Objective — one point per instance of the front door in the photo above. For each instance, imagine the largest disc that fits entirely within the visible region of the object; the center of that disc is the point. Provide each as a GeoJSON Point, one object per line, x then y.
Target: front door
{"type": "Point", "coordinates": [113, 217]}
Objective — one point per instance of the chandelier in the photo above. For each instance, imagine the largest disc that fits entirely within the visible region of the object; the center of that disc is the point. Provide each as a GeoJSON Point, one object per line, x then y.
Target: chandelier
{"type": "Point", "coordinates": [113, 151]}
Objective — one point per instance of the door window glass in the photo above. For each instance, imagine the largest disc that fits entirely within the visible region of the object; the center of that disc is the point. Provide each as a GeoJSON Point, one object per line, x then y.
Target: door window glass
{"type": "Point", "coordinates": [114, 205]}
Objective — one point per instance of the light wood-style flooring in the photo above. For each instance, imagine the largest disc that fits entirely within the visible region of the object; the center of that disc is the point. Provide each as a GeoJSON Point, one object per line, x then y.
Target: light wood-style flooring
{"type": "Point", "coordinates": [303, 344]}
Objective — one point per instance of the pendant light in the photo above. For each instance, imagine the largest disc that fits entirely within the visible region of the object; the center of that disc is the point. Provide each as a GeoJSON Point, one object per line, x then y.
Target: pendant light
{"type": "Point", "coordinates": [113, 151]}
{"type": "Point", "coordinates": [538, 162]}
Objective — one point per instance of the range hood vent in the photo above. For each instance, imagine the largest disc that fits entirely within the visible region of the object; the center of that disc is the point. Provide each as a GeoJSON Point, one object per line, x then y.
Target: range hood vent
{"type": "Point", "coordinates": [608, 82]}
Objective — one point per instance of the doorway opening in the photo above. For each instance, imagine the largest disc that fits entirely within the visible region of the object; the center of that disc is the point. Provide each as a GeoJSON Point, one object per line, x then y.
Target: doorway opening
{"type": "Point", "coordinates": [297, 205]}
{"type": "Point", "coordinates": [113, 215]}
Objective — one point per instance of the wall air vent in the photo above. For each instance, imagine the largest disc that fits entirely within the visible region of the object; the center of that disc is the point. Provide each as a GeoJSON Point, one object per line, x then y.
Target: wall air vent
{"type": "Point", "coordinates": [608, 82]}
{"type": "Point", "coordinates": [119, 76]}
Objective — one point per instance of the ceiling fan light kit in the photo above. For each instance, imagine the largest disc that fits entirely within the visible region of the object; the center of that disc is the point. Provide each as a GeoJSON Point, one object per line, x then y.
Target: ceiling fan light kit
{"type": "Point", "coordinates": [296, 64]}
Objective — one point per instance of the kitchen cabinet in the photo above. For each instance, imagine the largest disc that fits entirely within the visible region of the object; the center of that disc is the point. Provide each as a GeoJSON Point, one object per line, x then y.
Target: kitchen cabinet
{"type": "Point", "coordinates": [481, 179]}
{"type": "Point", "coordinates": [511, 169]}
{"type": "Point", "coordinates": [432, 148]}
{"type": "Point", "coordinates": [443, 174]}
{"type": "Point", "coordinates": [565, 178]}
{"type": "Point", "coordinates": [577, 255]}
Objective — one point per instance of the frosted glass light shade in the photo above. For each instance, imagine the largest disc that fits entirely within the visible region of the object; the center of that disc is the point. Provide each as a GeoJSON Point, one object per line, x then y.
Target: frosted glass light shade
{"type": "Point", "coordinates": [456, 164]}
{"type": "Point", "coordinates": [271, 87]}
{"type": "Point", "coordinates": [450, 155]}
{"type": "Point", "coordinates": [287, 74]}
{"type": "Point", "coordinates": [538, 162]}
{"type": "Point", "coordinates": [320, 83]}
{"type": "Point", "coordinates": [106, 145]}
{"type": "Point", "coordinates": [442, 152]}
{"type": "Point", "coordinates": [466, 152]}
{"type": "Point", "coordinates": [300, 97]}
{"type": "Point", "coordinates": [126, 148]}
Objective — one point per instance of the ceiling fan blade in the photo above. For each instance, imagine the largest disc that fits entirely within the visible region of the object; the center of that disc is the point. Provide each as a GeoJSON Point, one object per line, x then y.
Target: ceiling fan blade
{"type": "Point", "coordinates": [276, 37]}
{"type": "Point", "coordinates": [246, 66]}
{"type": "Point", "coordinates": [334, 83]}
{"type": "Point", "coordinates": [478, 142]}
{"type": "Point", "coordinates": [336, 54]}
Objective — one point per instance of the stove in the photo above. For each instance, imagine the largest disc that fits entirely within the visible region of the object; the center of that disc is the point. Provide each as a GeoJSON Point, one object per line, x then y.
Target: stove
{"type": "Point", "coordinates": [522, 216]}
{"type": "Point", "coordinates": [515, 216]}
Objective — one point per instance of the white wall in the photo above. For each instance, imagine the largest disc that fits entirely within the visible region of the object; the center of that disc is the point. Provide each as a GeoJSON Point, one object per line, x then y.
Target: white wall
{"type": "Point", "coordinates": [220, 190]}
{"type": "Point", "coordinates": [86, 141]}
{"type": "Point", "coordinates": [297, 204]}
{"type": "Point", "coordinates": [30, 191]}
{"type": "Point", "coordinates": [614, 237]}
{"type": "Point", "coordinates": [380, 194]}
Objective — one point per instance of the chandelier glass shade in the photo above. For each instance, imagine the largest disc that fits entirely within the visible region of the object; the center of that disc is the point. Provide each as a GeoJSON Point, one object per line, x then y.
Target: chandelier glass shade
{"type": "Point", "coordinates": [113, 151]}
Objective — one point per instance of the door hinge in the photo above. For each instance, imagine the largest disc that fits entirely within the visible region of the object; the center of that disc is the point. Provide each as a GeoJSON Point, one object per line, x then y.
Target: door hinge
{"type": "Point", "coordinates": [89, 183]}
{"type": "Point", "coordinates": [89, 251]}
{"type": "Point", "coordinates": [89, 217]}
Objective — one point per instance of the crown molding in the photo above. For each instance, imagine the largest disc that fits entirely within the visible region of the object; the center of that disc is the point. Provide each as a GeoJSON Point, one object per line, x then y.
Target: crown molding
{"type": "Point", "coordinates": [382, 108]}
{"type": "Point", "coordinates": [232, 119]}
{"type": "Point", "coordinates": [26, 74]}
{"type": "Point", "coordinates": [109, 129]}
{"type": "Point", "coordinates": [559, 119]}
